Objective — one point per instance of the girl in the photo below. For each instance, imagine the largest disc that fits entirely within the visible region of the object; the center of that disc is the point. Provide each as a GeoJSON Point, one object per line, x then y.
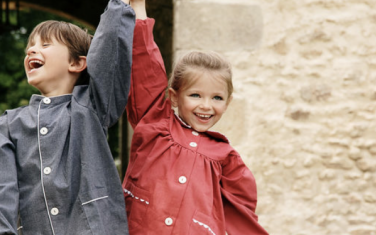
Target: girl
{"type": "Point", "coordinates": [183, 178]}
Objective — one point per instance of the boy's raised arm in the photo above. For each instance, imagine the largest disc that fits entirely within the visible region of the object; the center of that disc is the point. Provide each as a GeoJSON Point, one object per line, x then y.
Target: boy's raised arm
{"type": "Point", "coordinates": [109, 61]}
{"type": "Point", "coordinates": [9, 193]}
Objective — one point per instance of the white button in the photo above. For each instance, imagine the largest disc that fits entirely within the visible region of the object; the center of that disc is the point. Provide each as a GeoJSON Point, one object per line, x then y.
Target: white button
{"type": "Point", "coordinates": [193, 144]}
{"type": "Point", "coordinates": [43, 131]}
{"type": "Point", "coordinates": [195, 133]}
{"type": "Point", "coordinates": [168, 221]}
{"type": "Point", "coordinates": [182, 179]}
{"type": "Point", "coordinates": [46, 100]}
{"type": "Point", "coordinates": [54, 211]}
{"type": "Point", "coordinates": [47, 170]}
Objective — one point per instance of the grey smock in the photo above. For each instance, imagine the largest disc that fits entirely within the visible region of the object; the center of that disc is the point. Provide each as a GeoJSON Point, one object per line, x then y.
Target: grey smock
{"type": "Point", "coordinates": [56, 168]}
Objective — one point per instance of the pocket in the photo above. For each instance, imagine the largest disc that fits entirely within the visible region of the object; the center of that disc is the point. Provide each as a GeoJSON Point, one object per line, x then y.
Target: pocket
{"type": "Point", "coordinates": [137, 202]}
{"type": "Point", "coordinates": [95, 206]}
{"type": "Point", "coordinates": [203, 224]}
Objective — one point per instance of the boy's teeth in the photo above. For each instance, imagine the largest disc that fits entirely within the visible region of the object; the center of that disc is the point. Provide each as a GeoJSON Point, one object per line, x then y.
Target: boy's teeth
{"type": "Point", "coordinates": [32, 63]}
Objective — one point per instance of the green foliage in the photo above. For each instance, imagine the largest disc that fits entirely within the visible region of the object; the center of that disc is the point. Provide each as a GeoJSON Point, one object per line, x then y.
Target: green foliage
{"type": "Point", "coordinates": [14, 88]}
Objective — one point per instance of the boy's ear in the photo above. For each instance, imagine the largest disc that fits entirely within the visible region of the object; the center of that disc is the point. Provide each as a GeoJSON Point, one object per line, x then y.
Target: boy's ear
{"type": "Point", "coordinates": [78, 66]}
{"type": "Point", "coordinates": [173, 97]}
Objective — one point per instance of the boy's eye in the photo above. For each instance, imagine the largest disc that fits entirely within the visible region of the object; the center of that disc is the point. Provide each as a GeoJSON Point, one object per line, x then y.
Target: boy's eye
{"type": "Point", "coordinates": [46, 44]}
{"type": "Point", "coordinates": [217, 97]}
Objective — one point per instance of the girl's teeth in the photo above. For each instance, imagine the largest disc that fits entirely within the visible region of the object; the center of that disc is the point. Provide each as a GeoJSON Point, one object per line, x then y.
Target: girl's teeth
{"type": "Point", "coordinates": [203, 116]}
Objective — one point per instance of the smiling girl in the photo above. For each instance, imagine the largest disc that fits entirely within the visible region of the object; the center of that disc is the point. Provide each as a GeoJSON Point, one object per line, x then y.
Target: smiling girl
{"type": "Point", "coordinates": [183, 178]}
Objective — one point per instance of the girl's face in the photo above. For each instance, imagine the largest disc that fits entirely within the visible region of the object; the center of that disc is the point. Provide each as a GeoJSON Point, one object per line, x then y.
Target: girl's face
{"type": "Point", "coordinates": [202, 104]}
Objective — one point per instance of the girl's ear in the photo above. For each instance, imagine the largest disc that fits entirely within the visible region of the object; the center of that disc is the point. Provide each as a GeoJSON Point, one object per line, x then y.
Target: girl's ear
{"type": "Point", "coordinates": [173, 97]}
{"type": "Point", "coordinates": [78, 66]}
{"type": "Point", "coordinates": [229, 99]}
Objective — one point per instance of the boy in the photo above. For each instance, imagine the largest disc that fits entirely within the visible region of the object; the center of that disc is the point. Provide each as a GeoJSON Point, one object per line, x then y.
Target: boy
{"type": "Point", "coordinates": [56, 167]}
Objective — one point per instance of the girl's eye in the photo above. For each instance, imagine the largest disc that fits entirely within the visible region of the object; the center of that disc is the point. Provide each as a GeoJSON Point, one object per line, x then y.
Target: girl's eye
{"type": "Point", "coordinates": [194, 95]}
{"type": "Point", "coordinates": [218, 98]}
{"type": "Point", "coordinates": [46, 44]}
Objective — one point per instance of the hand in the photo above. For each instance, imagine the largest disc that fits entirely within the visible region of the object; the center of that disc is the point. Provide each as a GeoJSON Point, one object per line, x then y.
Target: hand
{"type": "Point", "coordinates": [137, 1]}
{"type": "Point", "coordinates": [139, 8]}
{"type": "Point", "coordinates": [126, 1]}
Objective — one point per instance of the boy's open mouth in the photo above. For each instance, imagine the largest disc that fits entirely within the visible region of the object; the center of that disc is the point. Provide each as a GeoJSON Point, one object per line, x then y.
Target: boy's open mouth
{"type": "Point", "coordinates": [35, 64]}
{"type": "Point", "coordinates": [203, 116]}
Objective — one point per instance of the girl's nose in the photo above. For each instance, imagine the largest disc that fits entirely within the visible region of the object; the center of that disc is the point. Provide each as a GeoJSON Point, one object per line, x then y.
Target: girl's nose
{"type": "Point", "coordinates": [205, 104]}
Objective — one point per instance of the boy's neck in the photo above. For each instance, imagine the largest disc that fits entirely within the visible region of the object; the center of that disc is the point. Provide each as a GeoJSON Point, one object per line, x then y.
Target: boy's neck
{"type": "Point", "coordinates": [57, 92]}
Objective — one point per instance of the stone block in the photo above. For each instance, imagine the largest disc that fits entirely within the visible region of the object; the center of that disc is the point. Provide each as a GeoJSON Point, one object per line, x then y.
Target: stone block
{"type": "Point", "coordinates": [216, 26]}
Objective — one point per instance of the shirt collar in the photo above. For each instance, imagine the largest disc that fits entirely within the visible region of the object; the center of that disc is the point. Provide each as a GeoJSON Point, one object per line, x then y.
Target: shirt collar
{"type": "Point", "coordinates": [36, 99]}
{"type": "Point", "coordinates": [213, 134]}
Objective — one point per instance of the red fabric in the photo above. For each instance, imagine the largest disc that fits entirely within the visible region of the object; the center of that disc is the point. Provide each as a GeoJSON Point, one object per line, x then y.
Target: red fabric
{"type": "Point", "coordinates": [219, 194]}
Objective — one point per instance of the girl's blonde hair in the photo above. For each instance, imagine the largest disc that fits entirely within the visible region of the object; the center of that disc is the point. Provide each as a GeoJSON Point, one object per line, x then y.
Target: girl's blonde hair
{"type": "Point", "coordinates": [192, 64]}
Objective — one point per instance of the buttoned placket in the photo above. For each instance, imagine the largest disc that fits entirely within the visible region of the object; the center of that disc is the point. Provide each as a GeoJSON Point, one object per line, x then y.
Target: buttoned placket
{"type": "Point", "coordinates": [194, 142]}
{"type": "Point", "coordinates": [45, 171]}
{"type": "Point", "coordinates": [183, 179]}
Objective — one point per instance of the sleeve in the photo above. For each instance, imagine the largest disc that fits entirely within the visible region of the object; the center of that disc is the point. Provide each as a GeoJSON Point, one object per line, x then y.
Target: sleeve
{"type": "Point", "coordinates": [9, 193]}
{"type": "Point", "coordinates": [149, 79]}
{"type": "Point", "coordinates": [239, 198]}
{"type": "Point", "coordinates": [109, 61]}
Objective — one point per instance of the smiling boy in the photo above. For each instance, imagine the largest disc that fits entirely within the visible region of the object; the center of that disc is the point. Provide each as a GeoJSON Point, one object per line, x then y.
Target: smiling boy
{"type": "Point", "coordinates": [56, 167]}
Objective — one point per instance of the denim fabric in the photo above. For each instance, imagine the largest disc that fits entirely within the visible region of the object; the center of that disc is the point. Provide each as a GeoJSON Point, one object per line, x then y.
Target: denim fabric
{"type": "Point", "coordinates": [56, 167]}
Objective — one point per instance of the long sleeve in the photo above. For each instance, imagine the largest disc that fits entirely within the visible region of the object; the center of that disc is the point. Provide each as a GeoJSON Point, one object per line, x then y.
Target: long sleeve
{"type": "Point", "coordinates": [149, 80]}
{"type": "Point", "coordinates": [9, 194]}
{"type": "Point", "coordinates": [109, 61]}
{"type": "Point", "coordinates": [239, 198]}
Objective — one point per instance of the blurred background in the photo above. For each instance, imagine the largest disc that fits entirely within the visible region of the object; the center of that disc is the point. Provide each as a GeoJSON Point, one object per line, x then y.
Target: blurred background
{"type": "Point", "coordinates": [303, 116]}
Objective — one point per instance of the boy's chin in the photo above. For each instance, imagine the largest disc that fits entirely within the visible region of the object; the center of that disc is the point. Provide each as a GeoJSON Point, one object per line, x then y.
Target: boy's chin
{"type": "Point", "coordinates": [34, 83]}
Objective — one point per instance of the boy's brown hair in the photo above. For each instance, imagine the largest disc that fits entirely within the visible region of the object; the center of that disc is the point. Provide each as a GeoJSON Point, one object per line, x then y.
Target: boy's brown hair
{"type": "Point", "coordinates": [76, 39]}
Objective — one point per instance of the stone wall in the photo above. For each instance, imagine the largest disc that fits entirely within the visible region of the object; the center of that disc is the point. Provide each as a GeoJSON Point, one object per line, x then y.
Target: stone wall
{"type": "Point", "coordinates": [303, 114]}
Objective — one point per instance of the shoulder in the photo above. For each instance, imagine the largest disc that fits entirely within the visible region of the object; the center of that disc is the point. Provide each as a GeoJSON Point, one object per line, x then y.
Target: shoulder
{"type": "Point", "coordinates": [9, 113]}
{"type": "Point", "coordinates": [218, 146]}
{"type": "Point", "coordinates": [218, 136]}
{"type": "Point", "coordinates": [81, 94]}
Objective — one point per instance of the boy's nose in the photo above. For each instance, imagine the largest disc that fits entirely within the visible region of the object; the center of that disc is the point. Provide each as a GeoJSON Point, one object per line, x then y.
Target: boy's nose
{"type": "Point", "coordinates": [31, 50]}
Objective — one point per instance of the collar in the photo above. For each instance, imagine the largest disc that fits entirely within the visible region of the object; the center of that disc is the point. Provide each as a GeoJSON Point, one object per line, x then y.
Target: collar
{"type": "Point", "coordinates": [36, 99]}
{"type": "Point", "coordinates": [213, 134]}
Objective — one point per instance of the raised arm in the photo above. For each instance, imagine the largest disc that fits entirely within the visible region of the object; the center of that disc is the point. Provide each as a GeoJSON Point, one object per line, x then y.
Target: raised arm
{"type": "Point", "coordinates": [149, 80]}
{"type": "Point", "coordinates": [8, 183]}
{"type": "Point", "coordinates": [109, 61]}
{"type": "Point", "coordinates": [139, 8]}
{"type": "Point", "coordinates": [239, 198]}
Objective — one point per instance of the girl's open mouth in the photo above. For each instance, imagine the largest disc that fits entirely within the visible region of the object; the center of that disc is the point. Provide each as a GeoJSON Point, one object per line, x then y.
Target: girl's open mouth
{"type": "Point", "coordinates": [204, 116]}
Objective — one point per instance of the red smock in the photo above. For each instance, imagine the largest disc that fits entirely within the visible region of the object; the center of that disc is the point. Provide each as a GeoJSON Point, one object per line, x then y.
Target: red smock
{"type": "Point", "coordinates": [179, 181]}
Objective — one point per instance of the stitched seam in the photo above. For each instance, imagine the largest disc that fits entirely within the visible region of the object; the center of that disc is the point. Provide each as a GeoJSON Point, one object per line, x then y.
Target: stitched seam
{"type": "Point", "coordinates": [137, 198]}
{"type": "Point", "coordinates": [93, 200]}
{"type": "Point", "coordinates": [204, 225]}
{"type": "Point", "coordinates": [41, 171]}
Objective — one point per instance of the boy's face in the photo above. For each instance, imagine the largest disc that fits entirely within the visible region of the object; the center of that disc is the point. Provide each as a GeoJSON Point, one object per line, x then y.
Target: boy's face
{"type": "Point", "coordinates": [202, 104]}
{"type": "Point", "coordinates": [46, 64]}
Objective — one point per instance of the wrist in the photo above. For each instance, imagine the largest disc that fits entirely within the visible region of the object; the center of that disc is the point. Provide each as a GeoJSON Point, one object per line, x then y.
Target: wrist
{"type": "Point", "coordinates": [140, 9]}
